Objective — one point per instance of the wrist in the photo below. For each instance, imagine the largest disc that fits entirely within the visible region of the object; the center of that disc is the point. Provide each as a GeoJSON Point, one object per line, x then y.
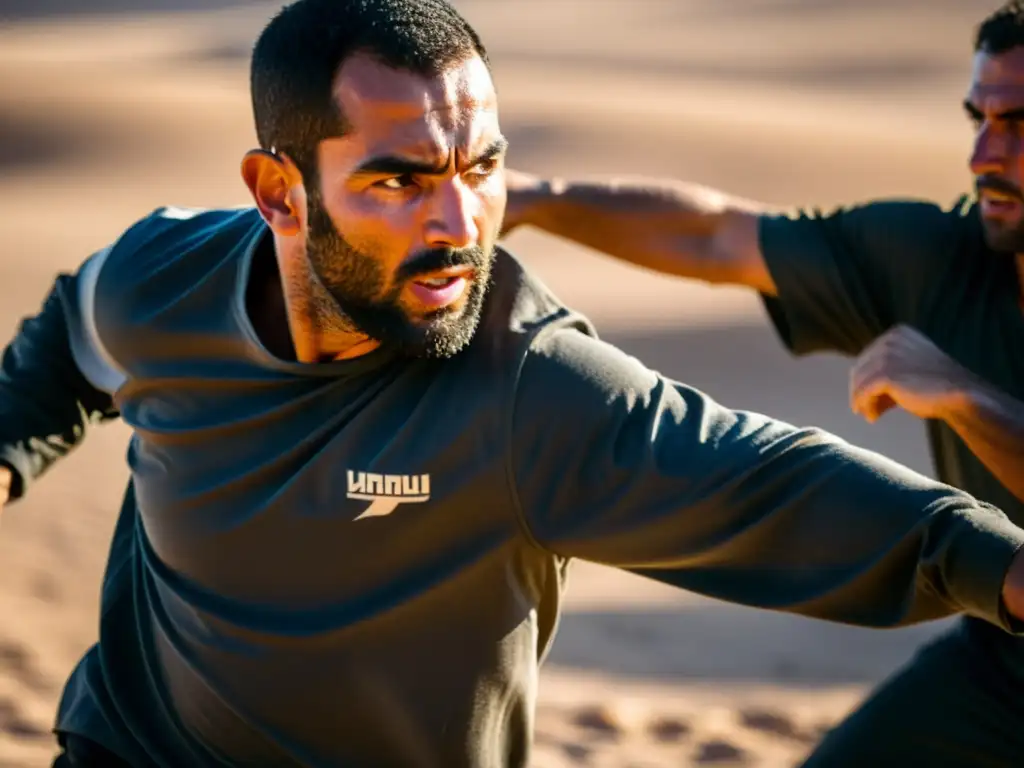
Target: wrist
{"type": "Point", "coordinates": [1013, 587]}
{"type": "Point", "coordinates": [967, 402]}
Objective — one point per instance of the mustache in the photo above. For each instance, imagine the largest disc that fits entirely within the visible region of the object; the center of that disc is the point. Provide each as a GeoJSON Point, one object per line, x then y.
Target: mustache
{"type": "Point", "coordinates": [435, 259]}
{"type": "Point", "coordinates": [996, 184]}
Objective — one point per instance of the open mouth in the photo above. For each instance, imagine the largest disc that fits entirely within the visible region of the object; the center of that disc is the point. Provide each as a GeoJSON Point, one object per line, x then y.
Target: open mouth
{"type": "Point", "coordinates": [995, 202]}
{"type": "Point", "coordinates": [438, 282]}
{"type": "Point", "coordinates": [441, 289]}
{"type": "Point", "coordinates": [998, 197]}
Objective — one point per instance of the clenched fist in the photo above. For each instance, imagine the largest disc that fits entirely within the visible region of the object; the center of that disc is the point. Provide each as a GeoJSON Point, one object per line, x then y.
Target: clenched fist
{"type": "Point", "coordinates": [903, 368]}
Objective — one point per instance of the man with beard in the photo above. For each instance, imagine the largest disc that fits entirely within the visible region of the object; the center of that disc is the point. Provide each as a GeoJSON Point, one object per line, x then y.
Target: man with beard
{"type": "Point", "coordinates": [367, 443]}
{"type": "Point", "coordinates": [930, 301]}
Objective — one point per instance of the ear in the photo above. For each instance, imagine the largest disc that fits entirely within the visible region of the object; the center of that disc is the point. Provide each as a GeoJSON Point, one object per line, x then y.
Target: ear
{"type": "Point", "coordinates": [276, 187]}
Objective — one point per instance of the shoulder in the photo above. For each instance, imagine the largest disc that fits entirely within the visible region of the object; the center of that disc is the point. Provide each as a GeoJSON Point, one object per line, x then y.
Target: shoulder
{"type": "Point", "coordinates": [520, 309]}
{"type": "Point", "coordinates": [584, 363]}
{"type": "Point", "coordinates": [913, 227]}
{"type": "Point", "coordinates": [579, 382]}
{"type": "Point", "coordinates": [521, 303]}
{"type": "Point", "coordinates": [558, 360]}
{"type": "Point", "coordinates": [171, 259]}
{"type": "Point", "coordinates": [892, 213]}
{"type": "Point", "coordinates": [547, 355]}
{"type": "Point", "coordinates": [172, 230]}
{"type": "Point", "coordinates": [169, 251]}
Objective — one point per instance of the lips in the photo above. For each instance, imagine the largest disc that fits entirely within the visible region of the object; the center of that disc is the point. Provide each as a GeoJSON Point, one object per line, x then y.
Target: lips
{"type": "Point", "coordinates": [441, 289]}
{"type": "Point", "coordinates": [996, 203]}
{"type": "Point", "coordinates": [998, 191]}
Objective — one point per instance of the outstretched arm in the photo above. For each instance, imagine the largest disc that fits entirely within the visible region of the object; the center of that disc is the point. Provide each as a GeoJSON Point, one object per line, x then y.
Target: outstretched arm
{"type": "Point", "coordinates": [665, 225]}
{"type": "Point", "coordinates": [831, 280]}
{"type": "Point", "coordinates": [46, 401]}
{"type": "Point", "coordinates": [650, 475]}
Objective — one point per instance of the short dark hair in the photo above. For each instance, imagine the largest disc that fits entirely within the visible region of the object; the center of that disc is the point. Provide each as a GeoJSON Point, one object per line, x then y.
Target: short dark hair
{"type": "Point", "coordinates": [298, 55]}
{"type": "Point", "coordinates": [1003, 30]}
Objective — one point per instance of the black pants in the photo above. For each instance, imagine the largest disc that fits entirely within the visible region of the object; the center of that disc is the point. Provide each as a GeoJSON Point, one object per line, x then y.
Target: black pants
{"type": "Point", "coordinates": [79, 752]}
{"type": "Point", "coordinates": [958, 703]}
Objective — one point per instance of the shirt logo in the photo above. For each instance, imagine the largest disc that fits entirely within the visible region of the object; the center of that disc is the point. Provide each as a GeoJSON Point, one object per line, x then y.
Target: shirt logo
{"type": "Point", "coordinates": [386, 492]}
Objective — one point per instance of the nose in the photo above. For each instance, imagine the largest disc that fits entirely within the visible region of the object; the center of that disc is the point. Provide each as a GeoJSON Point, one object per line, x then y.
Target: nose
{"type": "Point", "coordinates": [991, 150]}
{"type": "Point", "coordinates": [451, 221]}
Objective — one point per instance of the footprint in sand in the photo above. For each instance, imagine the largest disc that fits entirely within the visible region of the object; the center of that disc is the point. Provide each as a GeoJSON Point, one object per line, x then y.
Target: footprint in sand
{"type": "Point", "coordinates": [776, 724]}
{"type": "Point", "coordinates": [599, 721]}
{"type": "Point", "coordinates": [13, 723]}
{"type": "Point", "coordinates": [46, 588]}
{"type": "Point", "coordinates": [577, 752]}
{"type": "Point", "coordinates": [669, 730]}
{"type": "Point", "coordinates": [16, 662]}
{"type": "Point", "coordinates": [720, 752]}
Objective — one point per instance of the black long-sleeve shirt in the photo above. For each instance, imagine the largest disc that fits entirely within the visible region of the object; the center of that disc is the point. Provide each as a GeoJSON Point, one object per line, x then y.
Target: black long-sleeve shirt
{"type": "Point", "coordinates": [361, 562]}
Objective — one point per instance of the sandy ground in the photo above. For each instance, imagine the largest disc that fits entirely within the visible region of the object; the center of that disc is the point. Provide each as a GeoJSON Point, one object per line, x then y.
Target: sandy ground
{"type": "Point", "coordinates": [110, 112]}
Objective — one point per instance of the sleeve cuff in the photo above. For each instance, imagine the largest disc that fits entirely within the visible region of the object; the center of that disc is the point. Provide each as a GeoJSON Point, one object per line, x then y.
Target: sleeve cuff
{"type": "Point", "coordinates": [981, 563]}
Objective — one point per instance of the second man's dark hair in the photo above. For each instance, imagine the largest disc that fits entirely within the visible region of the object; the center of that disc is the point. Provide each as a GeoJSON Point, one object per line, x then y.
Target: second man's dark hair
{"type": "Point", "coordinates": [1002, 30]}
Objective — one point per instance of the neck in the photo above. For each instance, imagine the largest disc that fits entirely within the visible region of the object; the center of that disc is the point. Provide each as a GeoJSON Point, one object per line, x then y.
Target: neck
{"type": "Point", "coordinates": [294, 315]}
{"type": "Point", "coordinates": [314, 336]}
{"type": "Point", "coordinates": [319, 330]}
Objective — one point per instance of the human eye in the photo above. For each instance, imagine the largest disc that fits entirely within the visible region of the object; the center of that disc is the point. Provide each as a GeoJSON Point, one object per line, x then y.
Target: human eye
{"type": "Point", "coordinates": [484, 168]}
{"type": "Point", "coordinates": [397, 182]}
{"type": "Point", "coordinates": [974, 115]}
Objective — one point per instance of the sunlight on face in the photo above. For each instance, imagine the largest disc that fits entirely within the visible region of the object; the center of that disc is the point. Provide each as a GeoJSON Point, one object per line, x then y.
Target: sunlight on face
{"type": "Point", "coordinates": [403, 227]}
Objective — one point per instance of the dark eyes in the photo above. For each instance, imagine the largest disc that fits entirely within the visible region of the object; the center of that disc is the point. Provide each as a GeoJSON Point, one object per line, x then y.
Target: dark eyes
{"type": "Point", "coordinates": [1012, 122]}
{"type": "Point", "coordinates": [484, 167]}
{"type": "Point", "coordinates": [397, 182]}
{"type": "Point", "coordinates": [481, 170]}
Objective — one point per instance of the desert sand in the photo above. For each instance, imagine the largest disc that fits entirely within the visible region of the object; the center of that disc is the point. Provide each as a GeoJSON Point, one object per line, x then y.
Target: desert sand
{"type": "Point", "coordinates": [111, 108]}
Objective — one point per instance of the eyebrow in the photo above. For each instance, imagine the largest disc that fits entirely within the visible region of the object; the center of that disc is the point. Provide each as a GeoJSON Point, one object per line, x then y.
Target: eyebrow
{"type": "Point", "coordinates": [491, 151]}
{"type": "Point", "coordinates": [396, 165]}
{"type": "Point", "coordinates": [1009, 114]}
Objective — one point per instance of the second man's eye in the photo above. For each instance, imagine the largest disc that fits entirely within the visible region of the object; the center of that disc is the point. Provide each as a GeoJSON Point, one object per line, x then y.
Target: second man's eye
{"type": "Point", "coordinates": [484, 168]}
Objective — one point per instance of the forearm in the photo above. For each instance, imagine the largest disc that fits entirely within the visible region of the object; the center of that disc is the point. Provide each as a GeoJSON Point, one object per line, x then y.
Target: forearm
{"type": "Point", "coordinates": [828, 530]}
{"type": "Point", "coordinates": [991, 423]}
{"type": "Point", "coordinates": [667, 226]}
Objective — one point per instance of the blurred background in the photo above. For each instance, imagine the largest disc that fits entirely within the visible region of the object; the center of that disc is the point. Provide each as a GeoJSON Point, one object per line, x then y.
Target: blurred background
{"type": "Point", "coordinates": [110, 108]}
